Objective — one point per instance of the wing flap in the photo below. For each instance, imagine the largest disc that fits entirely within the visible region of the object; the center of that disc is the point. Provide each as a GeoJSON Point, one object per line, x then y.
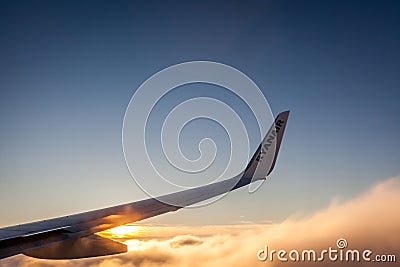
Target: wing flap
{"type": "Point", "coordinates": [83, 247]}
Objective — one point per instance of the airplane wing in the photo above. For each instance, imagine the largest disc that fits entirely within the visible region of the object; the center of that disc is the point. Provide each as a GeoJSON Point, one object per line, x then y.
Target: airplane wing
{"type": "Point", "coordinates": [72, 237]}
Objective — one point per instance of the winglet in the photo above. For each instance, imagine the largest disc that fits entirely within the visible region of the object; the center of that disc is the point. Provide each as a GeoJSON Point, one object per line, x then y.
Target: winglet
{"type": "Point", "coordinates": [263, 160]}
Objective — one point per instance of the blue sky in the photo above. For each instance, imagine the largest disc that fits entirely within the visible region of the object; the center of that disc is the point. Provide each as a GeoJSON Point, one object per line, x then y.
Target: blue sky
{"type": "Point", "coordinates": [69, 68]}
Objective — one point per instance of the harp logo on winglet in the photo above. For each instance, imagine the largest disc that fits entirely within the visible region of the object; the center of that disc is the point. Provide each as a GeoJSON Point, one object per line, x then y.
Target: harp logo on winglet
{"type": "Point", "coordinates": [269, 140]}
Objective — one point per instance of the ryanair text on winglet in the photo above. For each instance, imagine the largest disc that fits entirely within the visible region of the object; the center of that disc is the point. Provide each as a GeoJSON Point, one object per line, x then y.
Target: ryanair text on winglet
{"type": "Point", "coordinates": [271, 137]}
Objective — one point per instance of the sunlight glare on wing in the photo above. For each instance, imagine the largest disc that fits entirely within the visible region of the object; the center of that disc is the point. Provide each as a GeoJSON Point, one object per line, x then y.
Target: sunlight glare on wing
{"type": "Point", "coordinates": [120, 232]}
{"type": "Point", "coordinates": [123, 230]}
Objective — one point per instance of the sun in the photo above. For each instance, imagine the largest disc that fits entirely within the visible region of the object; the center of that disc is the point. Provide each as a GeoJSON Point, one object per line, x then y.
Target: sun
{"type": "Point", "coordinates": [119, 232]}
{"type": "Point", "coordinates": [123, 230]}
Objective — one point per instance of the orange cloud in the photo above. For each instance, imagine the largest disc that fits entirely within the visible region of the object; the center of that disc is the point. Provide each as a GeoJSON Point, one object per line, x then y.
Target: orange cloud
{"type": "Point", "coordinates": [369, 221]}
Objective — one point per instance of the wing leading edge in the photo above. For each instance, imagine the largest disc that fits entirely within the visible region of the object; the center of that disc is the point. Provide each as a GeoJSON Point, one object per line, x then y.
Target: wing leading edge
{"type": "Point", "coordinates": [72, 237]}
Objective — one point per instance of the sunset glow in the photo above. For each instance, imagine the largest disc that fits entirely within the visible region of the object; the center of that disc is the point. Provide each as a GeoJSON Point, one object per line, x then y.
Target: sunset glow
{"type": "Point", "coordinates": [120, 232]}
{"type": "Point", "coordinates": [123, 230]}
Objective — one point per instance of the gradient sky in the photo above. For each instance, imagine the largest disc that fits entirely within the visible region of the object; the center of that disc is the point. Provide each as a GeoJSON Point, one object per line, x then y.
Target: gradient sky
{"type": "Point", "coordinates": [69, 68]}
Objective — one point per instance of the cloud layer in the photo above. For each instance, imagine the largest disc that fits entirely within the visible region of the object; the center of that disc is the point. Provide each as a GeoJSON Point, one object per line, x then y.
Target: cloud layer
{"type": "Point", "coordinates": [369, 221]}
